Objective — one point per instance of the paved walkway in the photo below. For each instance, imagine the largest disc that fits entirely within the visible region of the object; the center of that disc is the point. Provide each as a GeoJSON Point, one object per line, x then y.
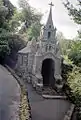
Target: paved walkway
{"type": "Point", "coordinates": [42, 109]}
{"type": "Point", "coordinates": [9, 96]}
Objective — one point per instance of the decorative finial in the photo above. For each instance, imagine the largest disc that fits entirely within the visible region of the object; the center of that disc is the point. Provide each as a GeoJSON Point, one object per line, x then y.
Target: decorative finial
{"type": "Point", "coordinates": [51, 4]}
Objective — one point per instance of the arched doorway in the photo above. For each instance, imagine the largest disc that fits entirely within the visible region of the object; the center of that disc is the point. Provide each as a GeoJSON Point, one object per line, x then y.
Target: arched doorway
{"type": "Point", "coordinates": [47, 72]}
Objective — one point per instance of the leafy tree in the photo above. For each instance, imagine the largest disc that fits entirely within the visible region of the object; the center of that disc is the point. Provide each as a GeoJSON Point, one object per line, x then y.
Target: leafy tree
{"type": "Point", "coordinates": [74, 11]}
{"type": "Point", "coordinates": [15, 42]}
{"type": "Point", "coordinates": [1, 3]}
{"type": "Point", "coordinates": [8, 42]}
{"type": "Point", "coordinates": [15, 22]}
{"type": "Point", "coordinates": [75, 52]}
{"type": "Point", "coordinates": [4, 29]}
{"type": "Point", "coordinates": [4, 46]}
{"type": "Point", "coordinates": [65, 44]}
{"type": "Point", "coordinates": [74, 82]}
{"type": "Point", "coordinates": [27, 19]}
{"type": "Point", "coordinates": [10, 21]}
{"type": "Point", "coordinates": [28, 15]}
{"type": "Point", "coordinates": [34, 31]}
{"type": "Point", "coordinates": [10, 8]}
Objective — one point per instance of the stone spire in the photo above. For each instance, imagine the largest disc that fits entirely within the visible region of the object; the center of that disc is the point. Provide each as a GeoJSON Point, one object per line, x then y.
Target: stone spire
{"type": "Point", "coordinates": [50, 21]}
{"type": "Point", "coordinates": [49, 31]}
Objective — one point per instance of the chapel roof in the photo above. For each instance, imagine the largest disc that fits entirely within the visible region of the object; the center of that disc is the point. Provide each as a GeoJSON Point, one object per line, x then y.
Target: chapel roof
{"type": "Point", "coordinates": [27, 49]}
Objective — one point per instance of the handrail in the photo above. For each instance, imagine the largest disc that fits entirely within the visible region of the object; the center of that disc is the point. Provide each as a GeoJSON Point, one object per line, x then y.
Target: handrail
{"type": "Point", "coordinates": [34, 75]}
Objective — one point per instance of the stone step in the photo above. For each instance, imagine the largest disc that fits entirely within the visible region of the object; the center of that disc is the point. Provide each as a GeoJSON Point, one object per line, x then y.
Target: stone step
{"type": "Point", "coordinates": [54, 97]}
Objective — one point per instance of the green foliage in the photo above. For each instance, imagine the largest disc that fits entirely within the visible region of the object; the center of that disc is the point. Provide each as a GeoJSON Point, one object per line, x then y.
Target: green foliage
{"type": "Point", "coordinates": [79, 34]}
{"type": "Point", "coordinates": [1, 3]}
{"type": "Point", "coordinates": [70, 49]}
{"type": "Point", "coordinates": [34, 31]}
{"type": "Point", "coordinates": [75, 52]}
{"type": "Point", "coordinates": [14, 23]}
{"type": "Point", "coordinates": [67, 60]}
{"type": "Point", "coordinates": [6, 12]}
{"type": "Point", "coordinates": [4, 46]}
{"type": "Point", "coordinates": [74, 81]}
{"type": "Point", "coordinates": [74, 11]}
{"type": "Point", "coordinates": [16, 42]}
{"type": "Point", "coordinates": [4, 49]}
{"type": "Point", "coordinates": [26, 19]}
{"type": "Point", "coordinates": [28, 14]}
{"type": "Point", "coordinates": [65, 44]}
{"type": "Point", "coordinates": [10, 9]}
{"type": "Point", "coordinates": [9, 42]}
{"type": "Point", "coordinates": [3, 14]}
{"type": "Point", "coordinates": [4, 29]}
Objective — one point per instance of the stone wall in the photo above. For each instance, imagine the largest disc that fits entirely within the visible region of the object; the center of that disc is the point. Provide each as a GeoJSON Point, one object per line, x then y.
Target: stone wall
{"type": "Point", "coordinates": [25, 65]}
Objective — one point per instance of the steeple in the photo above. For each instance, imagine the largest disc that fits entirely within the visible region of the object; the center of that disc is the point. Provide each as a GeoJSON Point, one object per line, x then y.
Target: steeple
{"type": "Point", "coordinates": [50, 21]}
{"type": "Point", "coordinates": [49, 31]}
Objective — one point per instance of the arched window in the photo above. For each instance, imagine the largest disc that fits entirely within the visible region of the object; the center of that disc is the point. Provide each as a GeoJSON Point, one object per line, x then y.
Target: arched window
{"type": "Point", "coordinates": [49, 34]}
{"type": "Point", "coordinates": [49, 26]}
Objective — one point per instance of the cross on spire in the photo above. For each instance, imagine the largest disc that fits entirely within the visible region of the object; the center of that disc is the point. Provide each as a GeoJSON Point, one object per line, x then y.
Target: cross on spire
{"type": "Point", "coordinates": [51, 5]}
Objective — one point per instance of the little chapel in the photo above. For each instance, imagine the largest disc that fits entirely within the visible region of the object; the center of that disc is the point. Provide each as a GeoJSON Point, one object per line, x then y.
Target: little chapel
{"type": "Point", "coordinates": [40, 61]}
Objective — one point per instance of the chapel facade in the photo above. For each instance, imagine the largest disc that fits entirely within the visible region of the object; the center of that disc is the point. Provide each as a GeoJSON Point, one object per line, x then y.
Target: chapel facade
{"type": "Point", "coordinates": [40, 62]}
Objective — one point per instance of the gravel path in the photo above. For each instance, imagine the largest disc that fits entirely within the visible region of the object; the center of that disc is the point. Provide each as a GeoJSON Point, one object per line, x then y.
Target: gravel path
{"type": "Point", "coordinates": [9, 96]}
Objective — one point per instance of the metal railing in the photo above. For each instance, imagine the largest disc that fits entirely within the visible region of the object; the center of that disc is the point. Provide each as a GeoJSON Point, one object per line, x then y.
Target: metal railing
{"type": "Point", "coordinates": [34, 75]}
